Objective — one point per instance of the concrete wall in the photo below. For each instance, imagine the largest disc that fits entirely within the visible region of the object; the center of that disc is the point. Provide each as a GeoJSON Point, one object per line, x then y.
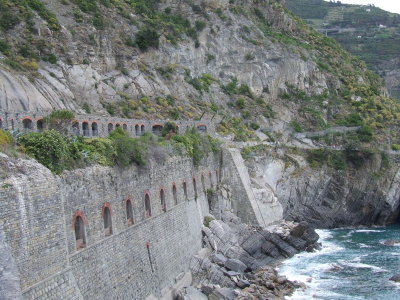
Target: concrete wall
{"type": "Point", "coordinates": [135, 261]}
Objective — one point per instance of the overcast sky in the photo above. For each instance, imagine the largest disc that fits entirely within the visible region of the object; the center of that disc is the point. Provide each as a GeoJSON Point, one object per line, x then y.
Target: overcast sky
{"type": "Point", "coordinates": [389, 5]}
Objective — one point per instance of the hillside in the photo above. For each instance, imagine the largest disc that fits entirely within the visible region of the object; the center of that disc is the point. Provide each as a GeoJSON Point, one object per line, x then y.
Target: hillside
{"type": "Point", "coordinates": [367, 32]}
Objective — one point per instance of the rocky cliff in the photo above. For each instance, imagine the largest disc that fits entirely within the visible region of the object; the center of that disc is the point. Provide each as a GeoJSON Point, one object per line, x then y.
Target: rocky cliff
{"type": "Point", "coordinates": [252, 67]}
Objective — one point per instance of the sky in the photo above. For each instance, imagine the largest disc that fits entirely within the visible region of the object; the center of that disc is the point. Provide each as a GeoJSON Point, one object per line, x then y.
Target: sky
{"type": "Point", "coordinates": [389, 5]}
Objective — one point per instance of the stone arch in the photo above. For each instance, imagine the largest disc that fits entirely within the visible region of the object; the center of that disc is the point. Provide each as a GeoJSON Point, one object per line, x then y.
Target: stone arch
{"type": "Point", "coordinates": [125, 127]}
{"type": "Point", "coordinates": [117, 125]}
{"type": "Point", "coordinates": [184, 186]}
{"type": "Point", "coordinates": [39, 125]}
{"type": "Point", "coordinates": [142, 129]}
{"type": "Point", "coordinates": [137, 130]}
{"type": "Point", "coordinates": [147, 206]}
{"type": "Point", "coordinates": [107, 211]}
{"type": "Point", "coordinates": [95, 129]}
{"type": "Point", "coordinates": [157, 129]}
{"type": "Point", "coordinates": [110, 127]}
{"type": "Point", "coordinates": [194, 188]}
{"type": "Point", "coordinates": [174, 194]}
{"type": "Point", "coordinates": [27, 123]}
{"type": "Point", "coordinates": [75, 128]}
{"type": "Point", "coordinates": [85, 128]}
{"type": "Point", "coordinates": [78, 223]}
{"type": "Point", "coordinates": [129, 211]}
{"type": "Point", "coordinates": [162, 200]}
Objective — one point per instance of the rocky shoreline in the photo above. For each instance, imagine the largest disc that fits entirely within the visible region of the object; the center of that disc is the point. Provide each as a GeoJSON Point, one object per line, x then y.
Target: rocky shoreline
{"type": "Point", "coordinates": [238, 261]}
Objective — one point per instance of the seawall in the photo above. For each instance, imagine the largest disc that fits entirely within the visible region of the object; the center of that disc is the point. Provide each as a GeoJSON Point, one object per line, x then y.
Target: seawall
{"type": "Point", "coordinates": [128, 256]}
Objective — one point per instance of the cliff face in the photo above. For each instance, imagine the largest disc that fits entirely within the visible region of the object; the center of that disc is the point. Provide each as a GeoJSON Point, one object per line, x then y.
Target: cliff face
{"type": "Point", "coordinates": [328, 198]}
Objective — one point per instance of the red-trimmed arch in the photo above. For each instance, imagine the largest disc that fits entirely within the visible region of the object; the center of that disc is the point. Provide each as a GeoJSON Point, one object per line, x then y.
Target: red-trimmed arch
{"type": "Point", "coordinates": [78, 213]}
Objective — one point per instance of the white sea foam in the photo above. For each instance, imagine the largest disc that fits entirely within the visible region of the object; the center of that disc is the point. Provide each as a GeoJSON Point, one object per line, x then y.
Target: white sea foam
{"type": "Point", "coordinates": [368, 230]}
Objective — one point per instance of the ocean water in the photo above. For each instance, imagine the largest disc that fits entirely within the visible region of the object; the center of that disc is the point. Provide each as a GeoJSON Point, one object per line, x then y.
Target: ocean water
{"type": "Point", "coordinates": [352, 264]}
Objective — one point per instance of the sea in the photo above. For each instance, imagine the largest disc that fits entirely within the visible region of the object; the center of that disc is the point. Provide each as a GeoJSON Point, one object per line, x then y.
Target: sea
{"type": "Point", "coordinates": [354, 263]}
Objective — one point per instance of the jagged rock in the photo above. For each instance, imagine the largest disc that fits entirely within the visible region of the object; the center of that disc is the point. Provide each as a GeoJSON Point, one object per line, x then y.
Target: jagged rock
{"type": "Point", "coordinates": [285, 249]}
{"type": "Point", "coordinates": [222, 293]}
{"type": "Point", "coordinates": [253, 243]}
{"type": "Point", "coordinates": [218, 258]}
{"type": "Point", "coordinates": [391, 242]}
{"type": "Point", "coordinates": [207, 289]}
{"type": "Point", "coordinates": [296, 242]}
{"type": "Point", "coordinates": [235, 265]}
{"type": "Point", "coordinates": [299, 229]}
{"type": "Point", "coordinates": [232, 273]}
{"type": "Point", "coordinates": [194, 294]}
{"type": "Point", "coordinates": [243, 283]}
{"type": "Point", "coordinates": [270, 249]}
{"type": "Point", "coordinates": [395, 278]}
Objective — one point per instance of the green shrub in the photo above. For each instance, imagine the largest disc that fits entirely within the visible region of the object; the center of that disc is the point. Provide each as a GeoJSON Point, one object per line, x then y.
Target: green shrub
{"type": "Point", "coordinates": [169, 127]}
{"type": "Point", "coordinates": [395, 147]}
{"type": "Point", "coordinates": [147, 38]}
{"type": "Point", "coordinates": [241, 103]}
{"type": "Point", "coordinates": [49, 148]}
{"type": "Point", "coordinates": [5, 138]}
{"type": "Point", "coordinates": [207, 221]}
{"type": "Point", "coordinates": [296, 126]}
{"type": "Point", "coordinates": [60, 120]}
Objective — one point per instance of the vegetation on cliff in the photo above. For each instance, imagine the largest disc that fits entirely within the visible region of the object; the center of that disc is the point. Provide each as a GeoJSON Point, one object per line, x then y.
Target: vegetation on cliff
{"type": "Point", "coordinates": [338, 89]}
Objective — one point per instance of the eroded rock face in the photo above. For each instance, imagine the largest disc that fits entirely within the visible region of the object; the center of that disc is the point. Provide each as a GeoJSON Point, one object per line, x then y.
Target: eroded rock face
{"type": "Point", "coordinates": [328, 198]}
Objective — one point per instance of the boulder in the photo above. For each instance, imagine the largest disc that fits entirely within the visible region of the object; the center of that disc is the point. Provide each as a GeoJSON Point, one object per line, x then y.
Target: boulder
{"type": "Point", "coordinates": [253, 243]}
{"type": "Point", "coordinates": [235, 265]}
{"type": "Point", "coordinates": [299, 229]}
{"type": "Point", "coordinates": [391, 242]}
{"type": "Point", "coordinates": [243, 283]}
{"type": "Point", "coordinates": [269, 249]}
{"type": "Point", "coordinates": [395, 278]}
{"type": "Point", "coordinates": [296, 242]}
{"type": "Point", "coordinates": [219, 259]}
{"type": "Point", "coordinates": [222, 293]}
{"type": "Point", "coordinates": [194, 294]}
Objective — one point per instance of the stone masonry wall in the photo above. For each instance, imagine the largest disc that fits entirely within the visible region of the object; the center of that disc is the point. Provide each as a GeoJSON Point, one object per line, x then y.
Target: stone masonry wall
{"type": "Point", "coordinates": [137, 260]}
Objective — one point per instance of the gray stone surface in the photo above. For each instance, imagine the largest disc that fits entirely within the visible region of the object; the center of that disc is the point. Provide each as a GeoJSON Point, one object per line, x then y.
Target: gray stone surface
{"type": "Point", "coordinates": [235, 265]}
{"type": "Point", "coordinates": [134, 262]}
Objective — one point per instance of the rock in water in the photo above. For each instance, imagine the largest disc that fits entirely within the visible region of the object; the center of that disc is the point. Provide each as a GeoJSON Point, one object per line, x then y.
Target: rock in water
{"type": "Point", "coordinates": [395, 278]}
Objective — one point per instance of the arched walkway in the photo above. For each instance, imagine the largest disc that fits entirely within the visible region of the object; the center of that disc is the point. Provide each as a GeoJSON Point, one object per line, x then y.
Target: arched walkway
{"type": "Point", "coordinates": [137, 130]}
{"type": "Point", "coordinates": [184, 185]}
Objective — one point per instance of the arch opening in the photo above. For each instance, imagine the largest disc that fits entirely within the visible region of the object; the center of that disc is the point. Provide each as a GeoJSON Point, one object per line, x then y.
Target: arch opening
{"type": "Point", "coordinates": [39, 125]}
{"type": "Point", "coordinates": [85, 129]}
{"type": "Point", "coordinates": [142, 130]}
{"type": "Point", "coordinates": [107, 221]}
{"type": "Point", "coordinates": [80, 237]}
{"type": "Point", "coordinates": [137, 130]}
{"type": "Point", "coordinates": [185, 190]}
{"type": "Point", "coordinates": [95, 129]}
{"type": "Point", "coordinates": [147, 206]}
{"type": "Point", "coordinates": [27, 124]}
{"type": "Point", "coordinates": [174, 194]}
{"type": "Point", "coordinates": [125, 127]}
{"type": "Point", "coordinates": [162, 199]}
{"type": "Point", "coordinates": [157, 130]}
{"type": "Point", "coordinates": [202, 128]}
{"type": "Point", "coordinates": [110, 127]}
{"type": "Point", "coordinates": [129, 212]}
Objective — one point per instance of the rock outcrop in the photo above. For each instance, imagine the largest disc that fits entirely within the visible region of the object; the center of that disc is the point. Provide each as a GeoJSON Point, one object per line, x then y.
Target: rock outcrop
{"type": "Point", "coordinates": [238, 261]}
